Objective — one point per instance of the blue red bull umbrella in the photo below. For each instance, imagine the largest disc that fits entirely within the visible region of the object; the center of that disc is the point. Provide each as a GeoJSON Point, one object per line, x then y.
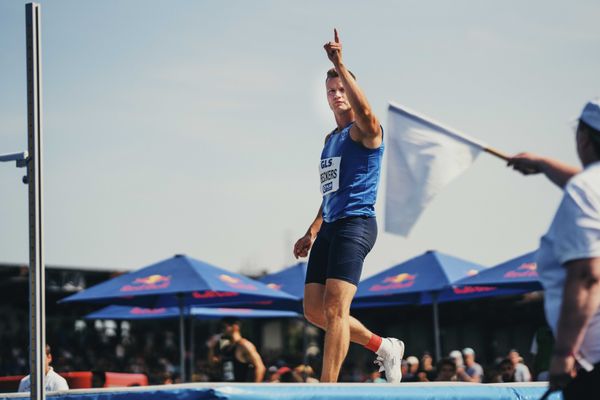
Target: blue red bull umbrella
{"type": "Point", "coordinates": [179, 281]}
{"type": "Point", "coordinates": [426, 279]}
{"type": "Point", "coordinates": [139, 313]}
{"type": "Point", "coordinates": [420, 280]}
{"type": "Point", "coordinates": [517, 273]}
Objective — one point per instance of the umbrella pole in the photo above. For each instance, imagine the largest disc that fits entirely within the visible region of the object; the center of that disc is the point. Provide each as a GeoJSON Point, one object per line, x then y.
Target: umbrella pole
{"type": "Point", "coordinates": [436, 328]}
{"type": "Point", "coordinates": [192, 348]}
{"type": "Point", "coordinates": [181, 340]}
{"type": "Point", "coordinates": [304, 345]}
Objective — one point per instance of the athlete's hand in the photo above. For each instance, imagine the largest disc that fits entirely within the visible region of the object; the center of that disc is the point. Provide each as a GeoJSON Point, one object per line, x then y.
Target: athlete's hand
{"type": "Point", "coordinates": [526, 163]}
{"type": "Point", "coordinates": [334, 49]}
{"type": "Point", "coordinates": [303, 245]}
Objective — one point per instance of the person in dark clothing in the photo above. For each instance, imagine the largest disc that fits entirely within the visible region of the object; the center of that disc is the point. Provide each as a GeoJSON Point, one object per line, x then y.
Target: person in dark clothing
{"type": "Point", "coordinates": [240, 360]}
{"type": "Point", "coordinates": [507, 371]}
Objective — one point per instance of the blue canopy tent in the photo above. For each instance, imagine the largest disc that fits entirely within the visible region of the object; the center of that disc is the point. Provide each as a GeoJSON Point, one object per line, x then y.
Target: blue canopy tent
{"type": "Point", "coordinates": [426, 279]}
{"type": "Point", "coordinates": [517, 273]}
{"type": "Point", "coordinates": [179, 281]}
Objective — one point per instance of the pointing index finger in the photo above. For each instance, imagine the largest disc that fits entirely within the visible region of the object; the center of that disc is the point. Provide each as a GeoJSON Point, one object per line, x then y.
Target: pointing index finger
{"type": "Point", "coordinates": [336, 36]}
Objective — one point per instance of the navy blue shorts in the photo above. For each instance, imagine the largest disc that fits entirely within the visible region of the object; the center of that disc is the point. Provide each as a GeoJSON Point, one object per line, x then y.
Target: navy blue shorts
{"type": "Point", "coordinates": [340, 250]}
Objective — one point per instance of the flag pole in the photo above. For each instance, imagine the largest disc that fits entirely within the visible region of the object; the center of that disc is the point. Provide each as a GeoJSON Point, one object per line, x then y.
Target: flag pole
{"type": "Point", "coordinates": [497, 153]}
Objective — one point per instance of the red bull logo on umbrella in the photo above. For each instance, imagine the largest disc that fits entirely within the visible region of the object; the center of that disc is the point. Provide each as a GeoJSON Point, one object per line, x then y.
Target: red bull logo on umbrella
{"type": "Point", "coordinates": [152, 282]}
{"type": "Point", "coordinates": [274, 286]}
{"type": "Point", "coordinates": [400, 281]}
{"type": "Point", "coordinates": [472, 289]}
{"type": "Point", "coordinates": [526, 270]}
{"type": "Point", "coordinates": [148, 311]}
{"type": "Point", "coordinates": [236, 283]}
{"type": "Point", "coordinates": [211, 294]}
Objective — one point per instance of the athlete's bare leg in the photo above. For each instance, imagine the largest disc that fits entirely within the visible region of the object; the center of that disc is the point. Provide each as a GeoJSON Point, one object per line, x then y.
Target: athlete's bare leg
{"type": "Point", "coordinates": [334, 317]}
{"type": "Point", "coordinates": [314, 294]}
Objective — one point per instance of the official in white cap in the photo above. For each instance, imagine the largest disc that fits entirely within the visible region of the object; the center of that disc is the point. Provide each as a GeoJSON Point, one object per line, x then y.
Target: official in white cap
{"type": "Point", "coordinates": [569, 261]}
{"type": "Point", "coordinates": [472, 372]}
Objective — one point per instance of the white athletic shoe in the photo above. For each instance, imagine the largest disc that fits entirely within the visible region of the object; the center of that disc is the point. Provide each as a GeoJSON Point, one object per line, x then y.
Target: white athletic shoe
{"type": "Point", "coordinates": [391, 362]}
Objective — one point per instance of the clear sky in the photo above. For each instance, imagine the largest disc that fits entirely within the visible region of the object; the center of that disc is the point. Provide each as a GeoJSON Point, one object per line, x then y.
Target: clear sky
{"type": "Point", "coordinates": [196, 126]}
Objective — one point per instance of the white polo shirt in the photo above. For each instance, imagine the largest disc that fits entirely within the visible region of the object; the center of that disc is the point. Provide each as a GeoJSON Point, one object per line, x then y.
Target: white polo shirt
{"type": "Point", "coordinates": [574, 234]}
{"type": "Point", "coordinates": [53, 382]}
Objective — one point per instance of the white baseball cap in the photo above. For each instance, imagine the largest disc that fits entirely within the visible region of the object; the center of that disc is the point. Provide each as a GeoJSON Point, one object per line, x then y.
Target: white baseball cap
{"type": "Point", "coordinates": [412, 360]}
{"type": "Point", "coordinates": [468, 351]}
{"type": "Point", "coordinates": [455, 354]}
{"type": "Point", "coordinates": [591, 114]}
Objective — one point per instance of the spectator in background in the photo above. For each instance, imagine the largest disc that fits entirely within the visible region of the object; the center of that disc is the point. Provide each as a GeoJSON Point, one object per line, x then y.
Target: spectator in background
{"type": "Point", "coordinates": [446, 369]}
{"type": "Point", "coordinates": [307, 373]}
{"type": "Point", "coordinates": [271, 374]}
{"type": "Point", "coordinates": [456, 356]}
{"type": "Point", "coordinates": [287, 375]}
{"type": "Point", "coordinates": [472, 371]}
{"type": "Point", "coordinates": [239, 358]}
{"type": "Point", "coordinates": [403, 367]}
{"type": "Point", "coordinates": [412, 366]}
{"type": "Point", "coordinates": [427, 371]}
{"type": "Point", "coordinates": [507, 371]}
{"type": "Point", "coordinates": [522, 373]}
{"type": "Point", "coordinates": [53, 381]}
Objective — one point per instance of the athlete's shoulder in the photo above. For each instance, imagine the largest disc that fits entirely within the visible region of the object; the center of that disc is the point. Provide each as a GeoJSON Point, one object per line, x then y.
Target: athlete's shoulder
{"type": "Point", "coordinates": [328, 136]}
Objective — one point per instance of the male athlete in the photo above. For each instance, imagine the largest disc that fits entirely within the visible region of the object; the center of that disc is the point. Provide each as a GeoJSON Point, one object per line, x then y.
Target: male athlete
{"type": "Point", "coordinates": [345, 228]}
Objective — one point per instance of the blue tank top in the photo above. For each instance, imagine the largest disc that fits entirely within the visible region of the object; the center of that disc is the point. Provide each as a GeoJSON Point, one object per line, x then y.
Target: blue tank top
{"type": "Point", "coordinates": [349, 176]}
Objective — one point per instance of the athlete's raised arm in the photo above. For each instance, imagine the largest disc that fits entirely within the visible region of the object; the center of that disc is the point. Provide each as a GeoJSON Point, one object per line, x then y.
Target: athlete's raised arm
{"type": "Point", "coordinates": [368, 127]}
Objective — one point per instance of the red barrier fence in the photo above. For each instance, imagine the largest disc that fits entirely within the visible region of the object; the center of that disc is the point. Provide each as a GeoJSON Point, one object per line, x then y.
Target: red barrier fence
{"type": "Point", "coordinates": [83, 380]}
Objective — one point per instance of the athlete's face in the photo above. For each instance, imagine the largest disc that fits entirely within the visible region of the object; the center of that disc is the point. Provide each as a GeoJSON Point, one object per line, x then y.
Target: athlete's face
{"type": "Point", "coordinates": [336, 95]}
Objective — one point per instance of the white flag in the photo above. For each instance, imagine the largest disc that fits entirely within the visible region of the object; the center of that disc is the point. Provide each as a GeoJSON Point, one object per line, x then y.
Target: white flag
{"type": "Point", "coordinates": [423, 156]}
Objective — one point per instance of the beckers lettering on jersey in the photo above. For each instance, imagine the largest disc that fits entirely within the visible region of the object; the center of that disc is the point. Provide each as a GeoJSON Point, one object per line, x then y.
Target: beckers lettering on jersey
{"type": "Point", "coordinates": [330, 175]}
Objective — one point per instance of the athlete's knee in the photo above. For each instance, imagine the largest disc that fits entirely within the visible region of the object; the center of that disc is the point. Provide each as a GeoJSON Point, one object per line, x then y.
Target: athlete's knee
{"type": "Point", "coordinates": [314, 314]}
{"type": "Point", "coordinates": [334, 309]}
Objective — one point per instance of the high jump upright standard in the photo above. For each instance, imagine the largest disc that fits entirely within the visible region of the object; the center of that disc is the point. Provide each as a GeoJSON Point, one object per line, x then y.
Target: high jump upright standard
{"type": "Point", "coordinates": [32, 159]}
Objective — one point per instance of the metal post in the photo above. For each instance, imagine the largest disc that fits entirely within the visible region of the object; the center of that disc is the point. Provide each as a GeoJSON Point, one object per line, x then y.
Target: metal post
{"type": "Point", "coordinates": [436, 328]}
{"type": "Point", "coordinates": [181, 339]}
{"type": "Point", "coordinates": [192, 345]}
{"type": "Point", "coordinates": [37, 342]}
{"type": "Point", "coordinates": [304, 348]}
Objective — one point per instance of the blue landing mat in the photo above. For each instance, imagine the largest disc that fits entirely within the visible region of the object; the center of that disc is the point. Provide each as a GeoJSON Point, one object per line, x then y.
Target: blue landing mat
{"type": "Point", "coordinates": [417, 391]}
